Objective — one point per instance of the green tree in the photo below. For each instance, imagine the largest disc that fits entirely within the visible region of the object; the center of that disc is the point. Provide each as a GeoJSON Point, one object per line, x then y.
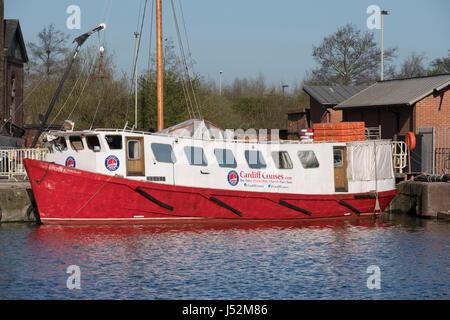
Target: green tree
{"type": "Point", "coordinates": [181, 94]}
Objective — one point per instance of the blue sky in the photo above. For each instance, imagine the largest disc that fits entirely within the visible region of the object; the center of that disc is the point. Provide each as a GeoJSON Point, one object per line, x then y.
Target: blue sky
{"type": "Point", "coordinates": [247, 37]}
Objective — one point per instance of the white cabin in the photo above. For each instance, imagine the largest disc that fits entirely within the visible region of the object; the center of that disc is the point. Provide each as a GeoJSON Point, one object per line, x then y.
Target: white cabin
{"type": "Point", "coordinates": [268, 166]}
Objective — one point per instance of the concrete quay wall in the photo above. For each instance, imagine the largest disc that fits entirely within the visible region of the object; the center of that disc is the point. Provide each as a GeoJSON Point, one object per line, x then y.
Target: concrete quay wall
{"type": "Point", "coordinates": [425, 199]}
{"type": "Point", "coordinates": [15, 203]}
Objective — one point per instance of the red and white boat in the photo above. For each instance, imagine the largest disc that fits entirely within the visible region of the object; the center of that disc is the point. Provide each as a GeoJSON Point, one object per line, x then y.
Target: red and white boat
{"type": "Point", "coordinates": [194, 172]}
{"type": "Point", "coordinates": [198, 172]}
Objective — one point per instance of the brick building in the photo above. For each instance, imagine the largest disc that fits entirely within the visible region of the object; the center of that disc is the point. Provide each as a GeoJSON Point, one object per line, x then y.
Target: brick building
{"type": "Point", "coordinates": [322, 99]}
{"type": "Point", "coordinates": [401, 105]}
{"type": "Point", "coordinates": [12, 60]}
{"type": "Point", "coordinates": [297, 120]}
{"type": "Point", "coordinates": [420, 105]}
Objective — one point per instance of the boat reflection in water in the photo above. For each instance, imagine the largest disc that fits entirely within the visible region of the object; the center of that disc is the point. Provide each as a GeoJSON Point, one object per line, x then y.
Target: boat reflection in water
{"type": "Point", "coordinates": [238, 261]}
{"type": "Point", "coordinates": [88, 233]}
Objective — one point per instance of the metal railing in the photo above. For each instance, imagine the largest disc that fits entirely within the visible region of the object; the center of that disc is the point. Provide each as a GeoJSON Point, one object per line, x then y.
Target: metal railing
{"type": "Point", "coordinates": [373, 133]}
{"type": "Point", "coordinates": [11, 162]}
{"type": "Point", "coordinates": [400, 156]}
{"type": "Point", "coordinates": [441, 156]}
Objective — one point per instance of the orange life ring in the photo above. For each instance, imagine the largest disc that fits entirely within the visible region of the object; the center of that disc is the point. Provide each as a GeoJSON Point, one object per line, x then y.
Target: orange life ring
{"type": "Point", "coordinates": [410, 140]}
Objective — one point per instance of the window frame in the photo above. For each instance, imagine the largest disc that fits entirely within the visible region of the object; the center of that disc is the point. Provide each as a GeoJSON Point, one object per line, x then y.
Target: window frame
{"type": "Point", "coordinates": [277, 163]}
{"type": "Point", "coordinates": [93, 146]}
{"type": "Point", "coordinates": [109, 144]}
{"type": "Point", "coordinates": [139, 150]}
{"type": "Point", "coordinates": [65, 144]}
{"type": "Point", "coordinates": [71, 142]}
{"type": "Point", "coordinates": [172, 154]}
{"type": "Point", "coordinates": [252, 166]}
{"type": "Point", "coordinates": [224, 164]}
{"type": "Point", "coordinates": [310, 151]}
{"type": "Point", "coordinates": [204, 160]}
{"type": "Point", "coordinates": [342, 158]}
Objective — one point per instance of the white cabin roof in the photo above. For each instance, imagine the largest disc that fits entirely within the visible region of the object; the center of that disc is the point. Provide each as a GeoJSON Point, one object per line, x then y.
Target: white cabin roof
{"type": "Point", "coordinates": [197, 129]}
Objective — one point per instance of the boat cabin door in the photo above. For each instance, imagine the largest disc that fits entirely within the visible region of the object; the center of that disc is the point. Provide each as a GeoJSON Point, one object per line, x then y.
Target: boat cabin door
{"type": "Point", "coordinates": [135, 156]}
{"type": "Point", "coordinates": [340, 169]}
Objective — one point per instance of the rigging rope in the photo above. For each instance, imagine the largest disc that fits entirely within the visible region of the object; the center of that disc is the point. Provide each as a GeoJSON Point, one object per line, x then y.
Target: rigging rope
{"type": "Point", "coordinates": [84, 69]}
{"type": "Point", "coordinates": [187, 97]}
{"type": "Point", "coordinates": [137, 55]}
{"type": "Point", "coordinates": [185, 35]}
{"type": "Point", "coordinates": [150, 41]}
{"type": "Point", "coordinates": [101, 43]}
{"type": "Point", "coordinates": [100, 88]}
{"type": "Point", "coordinates": [184, 62]}
{"type": "Point", "coordinates": [84, 86]}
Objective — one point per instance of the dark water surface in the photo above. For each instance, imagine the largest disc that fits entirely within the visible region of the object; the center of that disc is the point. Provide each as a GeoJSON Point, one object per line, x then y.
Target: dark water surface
{"type": "Point", "coordinates": [320, 260]}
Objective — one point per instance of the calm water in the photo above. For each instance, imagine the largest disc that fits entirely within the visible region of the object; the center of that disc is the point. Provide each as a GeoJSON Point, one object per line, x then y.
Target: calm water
{"type": "Point", "coordinates": [228, 261]}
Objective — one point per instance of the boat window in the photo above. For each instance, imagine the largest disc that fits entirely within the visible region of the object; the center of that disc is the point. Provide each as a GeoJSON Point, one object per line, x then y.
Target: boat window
{"type": "Point", "coordinates": [338, 163]}
{"type": "Point", "coordinates": [93, 143]}
{"type": "Point", "coordinates": [225, 158]}
{"type": "Point", "coordinates": [76, 143]}
{"type": "Point", "coordinates": [195, 156]}
{"type": "Point", "coordinates": [60, 144]}
{"type": "Point", "coordinates": [114, 142]}
{"type": "Point", "coordinates": [282, 160]}
{"type": "Point", "coordinates": [308, 159]}
{"type": "Point", "coordinates": [163, 152]}
{"type": "Point", "coordinates": [255, 159]}
{"type": "Point", "coordinates": [134, 150]}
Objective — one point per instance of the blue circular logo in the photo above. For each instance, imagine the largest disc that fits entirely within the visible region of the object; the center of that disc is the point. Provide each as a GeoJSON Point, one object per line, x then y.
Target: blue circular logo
{"type": "Point", "coordinates": [112, 163]}
{"type": "Point", "coordinates": [233, 178]}
{"type": "Point", "coordinates": [70, 162]}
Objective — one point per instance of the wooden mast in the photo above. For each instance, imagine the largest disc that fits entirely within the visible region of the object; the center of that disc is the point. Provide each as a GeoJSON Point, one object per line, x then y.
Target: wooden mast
{"type": "Point", "coordinates": [159, 59]}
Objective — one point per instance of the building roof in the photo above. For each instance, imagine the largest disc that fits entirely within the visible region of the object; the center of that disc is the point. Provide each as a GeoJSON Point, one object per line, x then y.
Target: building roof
{"type": "Point", "coordinates": [14, 44]}
{"type": "Point", "coordinates": [296, 111]}
{"type": "Point", "coordinates": [397, 92]}
{"type": "Point", "coordinates": [332, 95]}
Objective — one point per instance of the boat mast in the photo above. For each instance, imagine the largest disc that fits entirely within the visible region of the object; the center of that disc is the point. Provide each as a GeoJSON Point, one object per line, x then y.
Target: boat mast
{"type": "Point", "coordinates": [159, 59]}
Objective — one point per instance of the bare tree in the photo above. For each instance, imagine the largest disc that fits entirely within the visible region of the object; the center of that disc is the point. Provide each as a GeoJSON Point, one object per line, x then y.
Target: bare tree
{"type": "Point", "coordinates": [413, 66]}
{"type": "Point", "coordinates": [49, 49]}
{"type": "Point", "coordinates": [348, 56]}
{"type": "Point", "coordinates": [440, 65]}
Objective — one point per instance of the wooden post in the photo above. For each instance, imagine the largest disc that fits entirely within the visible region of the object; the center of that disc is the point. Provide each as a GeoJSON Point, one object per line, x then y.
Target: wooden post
{"type": "Point", "coordinates": [159, 64]}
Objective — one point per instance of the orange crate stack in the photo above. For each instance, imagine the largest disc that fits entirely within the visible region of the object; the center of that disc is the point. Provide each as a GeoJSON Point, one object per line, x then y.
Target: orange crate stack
{"type": "Point", "coordinates": [339, 132]}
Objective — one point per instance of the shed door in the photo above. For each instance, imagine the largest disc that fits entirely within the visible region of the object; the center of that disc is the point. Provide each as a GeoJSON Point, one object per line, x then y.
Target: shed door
{"type": "Point", "coordinates": [135, 156]}
{"type": "Point", "coordinates": [340, 169]}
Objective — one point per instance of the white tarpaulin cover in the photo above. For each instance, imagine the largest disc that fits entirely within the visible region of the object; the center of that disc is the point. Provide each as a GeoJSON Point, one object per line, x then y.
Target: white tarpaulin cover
{"type": "Point", "coordinates": [361, 161]}
{"type": "Point", "coordinates": [197, 129]}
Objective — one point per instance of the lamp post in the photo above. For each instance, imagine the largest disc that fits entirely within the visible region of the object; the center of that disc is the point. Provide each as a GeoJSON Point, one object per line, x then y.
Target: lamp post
{"type": "Point", "coordinates": [383, 13]}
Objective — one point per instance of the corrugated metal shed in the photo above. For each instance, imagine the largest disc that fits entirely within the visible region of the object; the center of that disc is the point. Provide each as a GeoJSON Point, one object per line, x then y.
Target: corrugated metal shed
{"type": "Point", "coordinates": [332, 95]}
{"type": "Point", "coordinates": [396, 92]}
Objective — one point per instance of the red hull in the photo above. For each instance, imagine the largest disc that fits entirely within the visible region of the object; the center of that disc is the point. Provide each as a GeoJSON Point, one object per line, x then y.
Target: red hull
{"type": "Point", "coordinates": [66, 195]}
